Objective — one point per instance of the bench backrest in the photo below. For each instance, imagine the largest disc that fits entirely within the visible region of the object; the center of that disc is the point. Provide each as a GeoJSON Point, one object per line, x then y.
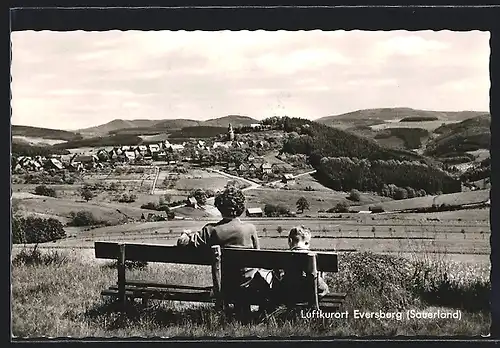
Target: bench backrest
{"type": "Point", "coordinates": [275, 259]}
{"type": "Point", "coordinates": [278, 259]}
{"type": "Point", "coordinates": [153, 253]}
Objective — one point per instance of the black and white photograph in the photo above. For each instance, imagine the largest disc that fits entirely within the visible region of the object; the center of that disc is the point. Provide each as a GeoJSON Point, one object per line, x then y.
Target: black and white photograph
{"type": "Point", "coordinates": [187, 184]}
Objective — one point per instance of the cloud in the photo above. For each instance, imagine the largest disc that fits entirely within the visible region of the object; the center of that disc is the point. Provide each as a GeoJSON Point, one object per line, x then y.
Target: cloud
{"type": "Point", "coordinates": [78, 79]}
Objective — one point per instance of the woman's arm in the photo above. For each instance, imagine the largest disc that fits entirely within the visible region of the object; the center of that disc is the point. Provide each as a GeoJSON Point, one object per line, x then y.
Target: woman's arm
{"type": "Point", "coordinates": [196, 239]}
{"type": "Point", "coordinates": [255, 239]}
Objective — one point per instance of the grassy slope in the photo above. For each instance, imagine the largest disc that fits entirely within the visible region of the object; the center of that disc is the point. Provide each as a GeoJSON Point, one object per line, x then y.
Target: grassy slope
{"type": "Point", "coordinates": [469, 135]}
{"type": "Point", "coordinates": [64, 300]}
{"type": "Point", "coordinates": [113, 213]}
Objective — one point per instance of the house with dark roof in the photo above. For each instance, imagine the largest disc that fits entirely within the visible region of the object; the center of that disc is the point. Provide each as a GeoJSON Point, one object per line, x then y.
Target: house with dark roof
{"type": "Point", "coordinates": [54, 163]}
{"type": "Point", "coordinates": [266, 168]}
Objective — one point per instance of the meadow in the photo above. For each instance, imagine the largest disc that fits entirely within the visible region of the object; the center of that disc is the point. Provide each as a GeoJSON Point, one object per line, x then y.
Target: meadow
{"type": "Point", "coordinates": [57, 294]}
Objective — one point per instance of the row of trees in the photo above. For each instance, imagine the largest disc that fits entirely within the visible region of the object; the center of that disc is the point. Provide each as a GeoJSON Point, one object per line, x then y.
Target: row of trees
{"type": "Point", "coordinates": [343, 173]}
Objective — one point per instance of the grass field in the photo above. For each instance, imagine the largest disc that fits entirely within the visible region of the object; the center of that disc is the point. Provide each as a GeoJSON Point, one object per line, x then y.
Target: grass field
{"type": "Point", "coordinates": [428, 125]}
{"type": "Point", "coordinates": [458, 198]}
{"type": "Point", "coordinates": [318, 200]}
{"type": "Point", "coordinates": [61, 298]}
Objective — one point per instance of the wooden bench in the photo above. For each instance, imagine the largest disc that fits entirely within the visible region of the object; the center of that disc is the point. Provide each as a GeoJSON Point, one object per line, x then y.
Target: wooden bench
{"type": "Point", "coordinates": [312, 263]}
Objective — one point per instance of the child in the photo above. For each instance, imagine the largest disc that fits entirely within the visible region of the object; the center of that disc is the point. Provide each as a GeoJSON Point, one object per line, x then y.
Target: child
{"type": "Point", "coordinates": [292, 285]}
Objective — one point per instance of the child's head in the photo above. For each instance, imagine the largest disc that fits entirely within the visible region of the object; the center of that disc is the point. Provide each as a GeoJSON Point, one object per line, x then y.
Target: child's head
{"type": "Point", "coordinates": [299, 238]}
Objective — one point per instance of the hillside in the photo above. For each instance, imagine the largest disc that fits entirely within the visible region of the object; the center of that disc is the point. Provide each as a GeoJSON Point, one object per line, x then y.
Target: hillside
{"type": "Point", "coordinates": [376, 116]}
{"type": "Point", "coordinates": [198, 132]}
{"type": "Point", "coordinates": [109, 140]}
{"type": "Point", "coordinates": [469, 135]}
{"type": "Point", "coordinates": [44, 133]}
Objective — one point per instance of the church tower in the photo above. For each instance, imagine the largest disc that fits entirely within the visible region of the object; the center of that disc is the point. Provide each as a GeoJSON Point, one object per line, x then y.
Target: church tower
{"type": "Point", "coordinates": [230, 133]}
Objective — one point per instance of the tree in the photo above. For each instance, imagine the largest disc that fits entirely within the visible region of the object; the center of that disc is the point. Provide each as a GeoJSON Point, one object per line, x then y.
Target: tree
{"type": "Point", "coordinates": [400, 193]}
{"type": "Point", "coordinates": [86, 194]}
{"type": "Point", "coordinates": [355, 195]}
{"type": "Point", "coordinates": [302, 204]}
{"type": "Point", "coordinates": [280, 230]}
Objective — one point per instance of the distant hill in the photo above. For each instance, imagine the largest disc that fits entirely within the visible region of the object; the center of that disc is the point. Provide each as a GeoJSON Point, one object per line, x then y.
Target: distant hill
{"type": "Point", "coordinates": [375, 116]}
{"type": "Point", "coordinates": [198, 132]}
{"type": "Point", "coordinates": [469, 135]}
{"type": "Point", "coordinates": [151, 127]}
{"type": "Point", "coordinates": [44, 133]}
{"type": "Point", "coordinates": [114, 125]}
{"type": "Point", "coordinates": [234, 120]}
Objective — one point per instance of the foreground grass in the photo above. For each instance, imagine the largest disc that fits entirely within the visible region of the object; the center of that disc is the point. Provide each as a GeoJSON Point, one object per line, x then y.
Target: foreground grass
{"type": "Point", "coordinates": [62, 298]}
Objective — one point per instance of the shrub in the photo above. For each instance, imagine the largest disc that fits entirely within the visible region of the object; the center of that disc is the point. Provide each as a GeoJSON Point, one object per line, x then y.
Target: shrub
{"type": "Point", "coordinates": [150, 206]}
{"type": "Point", "coordinates": [270, 210]}
{"type": "Point", "coordinates": [35, 257]}
{"type": "Point", "coordinates": [86, 194]}
{"type": "Point", "coordinates": [411, 192]}
{"type": "Point", "coordinates": [36, 230]}
{"type": "Point", "coordinates": [43, 190]}
{"type": "Point", "coordinates": [83, 218]}
{"type": "Point", "coordinates": [127, 198]}
{"type": "Point", "coordinates": [355, 195]}
{"type": "Point", "coordinates": [282, 210]}
{"type": "Point", "coordinates": [341, 207]}
{"type": "Point", "coordinates": [376, 209]}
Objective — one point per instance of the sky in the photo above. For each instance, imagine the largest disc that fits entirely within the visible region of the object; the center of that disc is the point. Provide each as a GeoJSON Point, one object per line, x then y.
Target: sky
{"type": "Point", "coordinates": [78, 79]}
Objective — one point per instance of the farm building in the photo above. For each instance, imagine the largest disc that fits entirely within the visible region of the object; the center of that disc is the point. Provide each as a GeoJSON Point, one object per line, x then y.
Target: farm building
{"type": "Point", "coordinates": [287, 178]}
{"type": "Point", "coordinates": [254, 212]}
{"type": "Point", "coordinates": [192, 202]}
{"type": "Point", "coordinates": [54, 163]}
{"type": "Point", "coordinates": [103, 155]}
{"type": "Point", "coordinates": [266, 168]}
{"type": "Point", "coordinates": [154, 148]}
{"type": "Point", "coordinates": [130, 155]}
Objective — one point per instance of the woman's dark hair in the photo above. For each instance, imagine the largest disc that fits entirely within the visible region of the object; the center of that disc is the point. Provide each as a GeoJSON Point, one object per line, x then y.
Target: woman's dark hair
{"type": "Point", "coordinates": [230, 202]}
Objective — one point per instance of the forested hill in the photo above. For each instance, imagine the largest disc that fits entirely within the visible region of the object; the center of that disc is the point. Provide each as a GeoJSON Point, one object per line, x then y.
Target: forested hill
{"type": "Point", "coordinates": [345, 161]}
{"type": "Point", "coordinates": [318, 140]}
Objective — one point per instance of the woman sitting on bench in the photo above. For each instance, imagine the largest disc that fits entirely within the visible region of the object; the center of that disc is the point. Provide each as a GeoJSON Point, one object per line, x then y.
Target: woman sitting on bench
{"type": "Point", "coordinates": [239, 284]}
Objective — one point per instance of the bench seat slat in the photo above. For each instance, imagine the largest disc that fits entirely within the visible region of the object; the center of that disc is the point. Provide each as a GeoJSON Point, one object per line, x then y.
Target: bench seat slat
{"type": "Point", "coordinates": [144, 283]}
{"type": "Point", "coordinates": [162, 290]}
{"type": "Point", "coordinates": [334, 297]}
{"type": "Point", "coordinates": [161, 295]}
